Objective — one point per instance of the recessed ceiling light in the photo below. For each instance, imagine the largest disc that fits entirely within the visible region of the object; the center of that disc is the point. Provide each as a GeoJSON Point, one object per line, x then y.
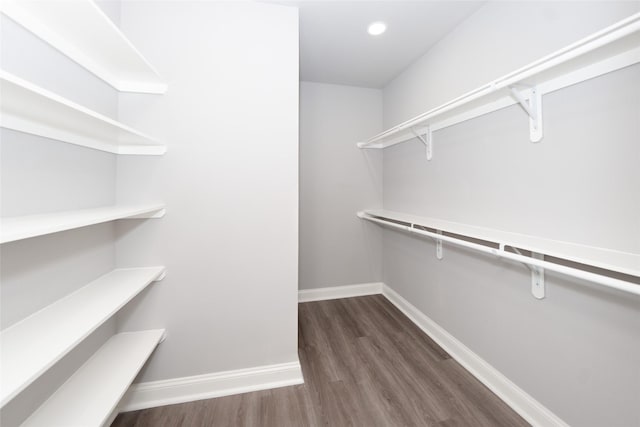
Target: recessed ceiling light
{"type": "Point", "coordinates": [377, 28]}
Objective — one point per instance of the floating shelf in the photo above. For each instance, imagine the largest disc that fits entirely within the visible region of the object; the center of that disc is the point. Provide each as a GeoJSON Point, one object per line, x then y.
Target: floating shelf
{"type": "Point", "coordinates": [81, 30]}
{"type": "Point", "coordinates": [611, 49]}
{"type": "Point", "coordinates": [622, 262]}
{"type": "Point", "coordinates": [24, 227]}
{"type": "Point", "coordinates": [28, 108]}
{"type": "Point", "coordinates": [92, 393]}
{"type": "Point", "coordinates": [33, 345]}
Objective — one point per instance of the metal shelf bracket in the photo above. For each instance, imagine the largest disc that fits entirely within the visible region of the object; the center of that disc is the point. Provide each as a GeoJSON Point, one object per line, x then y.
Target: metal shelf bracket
{"type": "Point", "coordinates": [531, 102]}
{"type": "Point", "coordinates": [427, 140]}
{"type": "Point", "coordinates": [537, 278]}
{"type": "Point", "coordinates": [537, 275]}
{"type": "Point", "coordinates": [439, 246]}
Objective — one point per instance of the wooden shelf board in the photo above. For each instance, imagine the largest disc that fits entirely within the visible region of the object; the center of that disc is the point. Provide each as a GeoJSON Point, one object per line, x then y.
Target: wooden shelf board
{"type": "Point", "coordinates": [28, 108]}
{"type": "Point", "coordinates": [31, 346]}
{"type": "Point", "coordinates": [92, 393]}
{"type": "Point", "coordinates": [24, 227]}
{"type": "Point", "coordinates": [103, 51]}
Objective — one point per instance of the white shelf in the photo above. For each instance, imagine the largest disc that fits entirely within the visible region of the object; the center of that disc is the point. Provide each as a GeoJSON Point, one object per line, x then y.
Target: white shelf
{"type": "Point", "coordinates": [24, 227]}
{"type": "Point", "coordinates": [33, 345]}
{"type": "Point", "coordinates": [81, 30]}
{"type": "Point", "coordinates": [611, 49]}
{"type": "Point", "coordinates": [28, 108]}
{"type": "Point", "coordinates": [622, 262]}
{"type": "Point", "coordinates": [90, 396]}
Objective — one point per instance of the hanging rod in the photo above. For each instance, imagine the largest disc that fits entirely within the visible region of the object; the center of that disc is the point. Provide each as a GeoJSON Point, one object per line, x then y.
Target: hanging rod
{"type": "Point", "coordinates": [599, 279]}
{"type": "Point", "coordinates": [605, 51]}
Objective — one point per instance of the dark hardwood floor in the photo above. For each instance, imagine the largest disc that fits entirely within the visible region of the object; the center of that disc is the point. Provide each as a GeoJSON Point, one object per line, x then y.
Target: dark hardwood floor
{"type": "Point", "coordinates": [364, 364]}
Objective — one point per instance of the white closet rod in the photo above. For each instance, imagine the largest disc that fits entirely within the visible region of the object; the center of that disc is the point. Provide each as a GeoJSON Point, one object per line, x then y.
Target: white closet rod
{"type": "Point", "coordinates": [548, 74]}
{"type": "Point", "coordinates": [606, 281]}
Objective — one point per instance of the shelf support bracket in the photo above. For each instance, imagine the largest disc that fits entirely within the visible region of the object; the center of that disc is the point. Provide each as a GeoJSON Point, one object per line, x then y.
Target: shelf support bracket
{"type": "Point", "coordinates": [537, 275]}
{"type": "Point", "coordinates": [537, 278]}
{"type": "Point", "coordinates": [427, 140]}
{"type": "Point", "coordinates": [439, 246]}
{"type": "Point", "coordinates": [532, 105]}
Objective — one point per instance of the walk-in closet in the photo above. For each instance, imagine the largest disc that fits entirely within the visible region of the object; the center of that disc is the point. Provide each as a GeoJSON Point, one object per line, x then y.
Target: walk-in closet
{"type": "Point", "coordinates": [319, 213]}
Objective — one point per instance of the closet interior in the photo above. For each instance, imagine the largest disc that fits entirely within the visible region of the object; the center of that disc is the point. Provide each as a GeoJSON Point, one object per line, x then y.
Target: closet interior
{"type": "Point", "coordinates": [185, 185]}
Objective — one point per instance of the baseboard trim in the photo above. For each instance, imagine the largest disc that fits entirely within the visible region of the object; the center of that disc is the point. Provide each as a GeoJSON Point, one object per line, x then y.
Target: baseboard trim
{"type": "Point", "coordinates": [207, 386]}
{"type": "Point", "coordinates": [526, 406]}
{"type": "Point", "coordinates": [346, 291]}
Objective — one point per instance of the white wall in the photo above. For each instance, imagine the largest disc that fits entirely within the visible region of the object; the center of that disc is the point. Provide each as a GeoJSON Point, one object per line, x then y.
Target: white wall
{"type": "Point", "coordinates": [577, 350]}
{"type": "Point", "coordinates": [336, 180]}
{"type": "Point", "coordinates": [229, 180]}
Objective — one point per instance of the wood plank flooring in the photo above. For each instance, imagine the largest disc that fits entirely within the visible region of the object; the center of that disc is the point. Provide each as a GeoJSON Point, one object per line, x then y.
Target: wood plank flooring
{"type": "Point", "coordinates": [364, 364]}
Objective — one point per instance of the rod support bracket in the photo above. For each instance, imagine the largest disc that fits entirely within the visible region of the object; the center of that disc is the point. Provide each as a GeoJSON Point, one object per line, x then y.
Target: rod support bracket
{"type": "Point", "coordinates": [531, 102]}
{"type": "Point", "coordinates": [537, 278]}
{"type": "Point", "coordinates": [427, 140]}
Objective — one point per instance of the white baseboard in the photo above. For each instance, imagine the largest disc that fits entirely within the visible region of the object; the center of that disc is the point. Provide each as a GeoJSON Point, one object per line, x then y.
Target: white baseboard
{"type": "Point", "coordinates": [207, 386]}
{"type": "Point", "coordinates": [346, 291]}
{"type": "Point", "coordinates": [526, 406]}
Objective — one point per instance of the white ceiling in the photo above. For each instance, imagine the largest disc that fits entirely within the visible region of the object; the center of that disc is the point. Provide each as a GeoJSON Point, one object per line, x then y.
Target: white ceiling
{"type": "Point", "coordinates": [336, 48]}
